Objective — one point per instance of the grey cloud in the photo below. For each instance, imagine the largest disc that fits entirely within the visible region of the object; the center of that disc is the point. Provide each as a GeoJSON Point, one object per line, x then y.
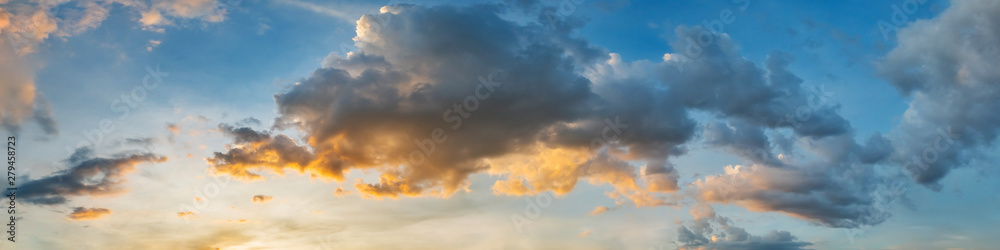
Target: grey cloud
{"type": "Point", "coordinates": [419, 75]}
{"type": "Point", "coordinates": [88, 175]}
{"type": "Point", "coordinates": [947, 65]}
{"type": "Point", "coordinates": [405, 77]}
{"type": "Point", "coordinates": [43, 117]}
{"type": "Point", "coordinates": [712, 231]}
{"type": "Point", "coordinates": [249, 121]}
{"type": "Point", "coordinates": [839, 189]}
{"type": "Point", "coordinates": [243, 134]}
{"type": "Point", "coordinates": [139, 141]}
{"type": "Point", "coordinates": [718, 79]}
{"type": "Point", "coordinates": [236, 160]}
{"type": "Point", "coordinates": [741, 139]}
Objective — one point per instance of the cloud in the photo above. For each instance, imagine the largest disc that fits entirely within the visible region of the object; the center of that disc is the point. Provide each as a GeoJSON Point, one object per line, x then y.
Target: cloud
{"type": "Point", "coordinates": [833, 185]}
{"type": "Point", "coordinates": [21, 102]}
{"type": "Point", "coordinates": [80, 213]}
{"type": "Point", "coordinates": [328, 11]}
{"type": "Point", "coordinates": [542, 110]}
{"type": "Point", "coordinates": [947, 66]}
{"type": "Point", "coordinates": [259, 149]}
{"type": "Point", "coordinates": [139, 141]}
{"type": "Point", "coordinates": [721, 81]}
{"type": "Point", "coordinates": [830, 196]}
{"type": "Point", "coordinates": [174, 128]}
{"type": "Point", "coordinates": [419, 105]}
{"type": "Point", "coordinates": [152, 44]}
{"type": "Point", "coordinates": [741, 139]}
{"type": "Point", "coordinates": [156, 14]}
{"type": "Point", "coordinates": [87, 176]}
{"type": "Point", "coordinates": [249, 121]}
{"type": "Point", "coordinates": [712, 231]}
{"type": "Point", "coordinates": [837, 186]}
{"type": "Point", "coordinates": [187, 215]}
{"type": "Point", "coordinates": [261, 198]}
{"type": "Point", "coordinates": [599, 210]}
{"type": "Point", "coordinates": [426, 109]}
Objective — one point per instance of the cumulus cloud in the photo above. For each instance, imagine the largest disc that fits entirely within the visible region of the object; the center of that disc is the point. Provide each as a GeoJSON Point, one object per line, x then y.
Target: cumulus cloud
{"type": "Point", "coordinates": [429, 107]}
{"type": "Point", "coordinates": [426, 108]}
{"type": "Point", "coordinates": [87, 175]}
{"type": "Point", "coordinates": [80, 213]}
{"type": "Point", "coordinates": [712, 231]}
{"type": "Point", "coordinates": [259, 149]}
{"type": "Point", "coordinates": [842, 196]}
{"type": "Point", "coordinates": [837, 187]}
{"type": "Point", "coordinates": [947, 65]}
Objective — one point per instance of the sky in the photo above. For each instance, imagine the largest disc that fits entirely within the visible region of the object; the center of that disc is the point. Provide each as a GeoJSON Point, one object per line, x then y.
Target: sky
{"type": "Point", "coordinates": [510, 124]}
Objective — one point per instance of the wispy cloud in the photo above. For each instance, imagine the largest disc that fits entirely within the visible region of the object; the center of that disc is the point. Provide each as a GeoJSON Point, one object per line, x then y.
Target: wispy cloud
{"type": "Point", "coordinates": [322, 9]}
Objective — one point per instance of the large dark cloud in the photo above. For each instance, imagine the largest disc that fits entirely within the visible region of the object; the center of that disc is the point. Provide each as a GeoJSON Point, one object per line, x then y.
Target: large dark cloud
{"type": "Point", "coordinates": [491, 88]}
{"type": "Point", "coordinates": [87, 175]}
{"type": "Point", "coordinates": [549, 109]}
{"type": "Point", "coordinates": [947, 65]}
{"type": "Point", "coordinates": [435, 94]}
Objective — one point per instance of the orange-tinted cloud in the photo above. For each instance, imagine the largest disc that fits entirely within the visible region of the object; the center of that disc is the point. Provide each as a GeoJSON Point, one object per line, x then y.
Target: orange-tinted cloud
{"type": "Point", "coordinates": [261, 198]}
{"type": "Point", "coordinates": [426, 129]}
{"type": "Point", "coordinates": [81, 213]}
{"type": "Point", "coordinates": [541, 110]}
{"type": "Point", "coordinates": [186, 214]}
{"type": "Point", "coordinates": [174, 128]}
{"type": "Point", "coordinates": [599, 210]}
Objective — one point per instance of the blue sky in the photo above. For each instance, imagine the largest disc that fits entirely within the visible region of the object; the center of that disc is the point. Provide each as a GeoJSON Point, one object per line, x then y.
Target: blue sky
{"type": "Point", "coordinates": [314, 105]}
